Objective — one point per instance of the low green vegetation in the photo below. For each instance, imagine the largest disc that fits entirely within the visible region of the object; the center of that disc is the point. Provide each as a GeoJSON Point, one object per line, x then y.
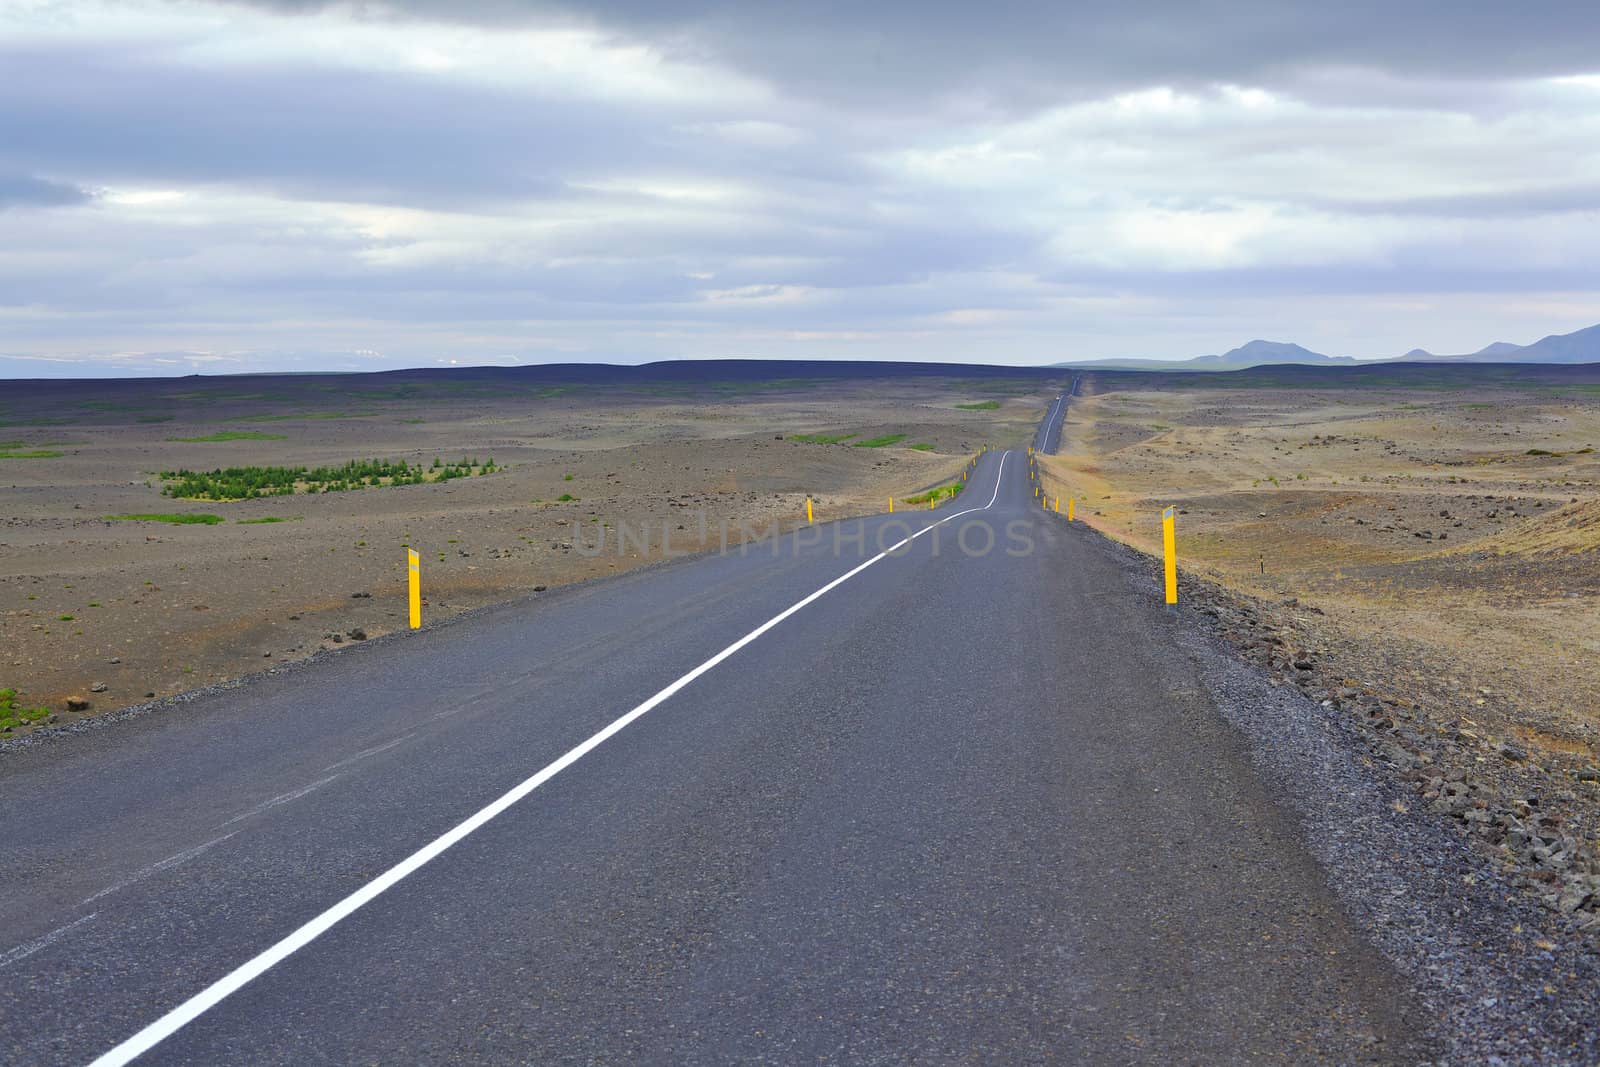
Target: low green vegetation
{"type": "Point", "coordinates": [1548, 452]}
{"type": "Point", "coordinates": [12, 716]}
{"type": "Point", "coordinates": [250, 483]}
{"type": "Point", "coordinates": [306, 415]}
{"type": "Point", "coordinates": [177, 518]}
{"type": "Point", "coordinates": [270, 518]}
{"type": "Point", "coordinates": [820, 438]}
{"type": "Point", "coordinates": [921, 446]}
{"type": "Point", "coordinates": [154, 418]}
{"type": "Point", "coordinates": [232, 435]}
{"type": "Point", "coordinates": [33, 453]}
{"type": "Point", "coordinates": [566, 498]}
{"type": "Point", "coordinates": [981, 405]}
{"type": "Point", "coordinates": [937, 493]}
{"type": "Point", "coordinates": [881, 442]}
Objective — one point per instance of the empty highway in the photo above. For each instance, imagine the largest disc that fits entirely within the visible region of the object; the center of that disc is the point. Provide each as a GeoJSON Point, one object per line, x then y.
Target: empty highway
{"type": "Point", "coordinates": [963, 801]}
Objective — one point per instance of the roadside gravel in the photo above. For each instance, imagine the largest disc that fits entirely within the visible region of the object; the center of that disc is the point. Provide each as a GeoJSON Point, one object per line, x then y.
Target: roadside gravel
{"type": "Point", "coordinates": [1512, 979]}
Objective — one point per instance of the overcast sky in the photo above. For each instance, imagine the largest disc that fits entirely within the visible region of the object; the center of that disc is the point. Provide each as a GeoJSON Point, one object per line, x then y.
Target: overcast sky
{"type": "Point", "coordinates": [280, 185]}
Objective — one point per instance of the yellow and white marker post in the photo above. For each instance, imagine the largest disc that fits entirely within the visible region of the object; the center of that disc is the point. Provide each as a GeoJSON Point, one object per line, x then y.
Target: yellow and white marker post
{"type": "Point", "coordinates": [414, 573]}
{"type": "Point", "coordinates": [1169, 547]}
{"type": "Point", "coordinates": [808, 509]}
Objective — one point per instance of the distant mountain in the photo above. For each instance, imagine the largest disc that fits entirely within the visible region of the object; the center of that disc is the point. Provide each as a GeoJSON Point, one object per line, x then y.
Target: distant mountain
{"type": "Point", "coordinates": [1581, 346]}
{"type": "Point", "coordinates": [1252, 354]}
{"type": "Point", "coordinates": [1256, 353]}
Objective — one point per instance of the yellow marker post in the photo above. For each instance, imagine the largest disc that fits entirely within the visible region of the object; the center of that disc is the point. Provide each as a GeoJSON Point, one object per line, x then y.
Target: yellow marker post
{"type": "Point", "coordinates": [1169, 546]}
{"type": "Point", "coordinates": [808, 509]}
{"type": "Point", "coordinates": [1071, 506]}
{"type": "Point", "coordinates": [891, 505]}
{"type": "Point", "coordinates": [414, 569]}
{"type": "Point", "coordinates": [933, 502]}
{"type": "Point", "coordinates": [1058, 505]}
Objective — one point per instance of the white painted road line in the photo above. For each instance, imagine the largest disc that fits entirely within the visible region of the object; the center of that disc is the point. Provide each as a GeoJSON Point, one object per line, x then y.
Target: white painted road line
{"type": "Point", "coordinates": [281, 798]}
{"type": "Point", "coordinates": [214, 994]}
{"type": "Point", "coordinates": [22, 952]}
{"type": "Point", "coordinates": [1049, 424]}
{"type": "Point", "coordinates": [156, 868]}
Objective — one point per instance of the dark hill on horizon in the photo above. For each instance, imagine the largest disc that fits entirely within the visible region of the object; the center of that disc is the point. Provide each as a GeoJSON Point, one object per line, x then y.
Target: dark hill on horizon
{"type": "Point", "coordinates": [1580, 346]}
{"type": "Point", "coordinates": [60, 402]}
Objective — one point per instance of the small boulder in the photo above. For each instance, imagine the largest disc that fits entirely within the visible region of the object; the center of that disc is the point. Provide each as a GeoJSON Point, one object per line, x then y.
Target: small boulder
{"type": "Point", "coordinates": [77, 704]}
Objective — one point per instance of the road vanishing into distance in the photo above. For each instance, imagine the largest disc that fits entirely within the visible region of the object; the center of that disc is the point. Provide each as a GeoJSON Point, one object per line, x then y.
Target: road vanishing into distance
{"type": "Point", "coordinates": [1048, 439]}
{"type": "Point", "coordinates": [816, 802]}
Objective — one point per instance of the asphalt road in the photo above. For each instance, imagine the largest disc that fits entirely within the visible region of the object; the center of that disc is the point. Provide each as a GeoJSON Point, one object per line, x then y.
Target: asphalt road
{"type": "Point", "coordinates": [1048, 439]}
{"type": "Point", "coordinates": [963, 805]}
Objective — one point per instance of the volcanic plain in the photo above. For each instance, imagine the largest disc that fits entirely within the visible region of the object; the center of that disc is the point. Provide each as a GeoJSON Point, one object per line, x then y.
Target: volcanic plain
{"type": "Point", "coordinates": [121, 582]}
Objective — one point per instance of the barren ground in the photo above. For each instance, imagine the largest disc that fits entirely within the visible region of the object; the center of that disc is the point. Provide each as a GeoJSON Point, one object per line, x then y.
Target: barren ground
{"type": "Point", "coordinates": [1414, 517]}
{"type": "Point", "coordinates": [1425, 554]}
{"type": "Point", "coordinates": [114, 611]}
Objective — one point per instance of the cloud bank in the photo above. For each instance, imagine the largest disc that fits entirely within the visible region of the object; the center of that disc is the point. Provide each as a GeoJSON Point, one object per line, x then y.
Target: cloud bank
{"type": "Point", "coordinates": [207, 186]}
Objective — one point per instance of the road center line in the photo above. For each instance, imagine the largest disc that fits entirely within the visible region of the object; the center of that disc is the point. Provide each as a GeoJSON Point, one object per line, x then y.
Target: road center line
{"type": "Point", "coordinates": [281, 798]}
{"type": "Point", "coordinates": [22, 952]}
{"type": "Point", "coordinates": [208, 998]}
{"type": "Point", "coordinates": [156, 868]}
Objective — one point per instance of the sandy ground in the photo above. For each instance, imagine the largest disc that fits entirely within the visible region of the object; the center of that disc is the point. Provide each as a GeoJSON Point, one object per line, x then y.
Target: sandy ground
{"type": "Point", "coordinates": [1422, 521]}
{"type": "Point", "coordinates": [114, 612]}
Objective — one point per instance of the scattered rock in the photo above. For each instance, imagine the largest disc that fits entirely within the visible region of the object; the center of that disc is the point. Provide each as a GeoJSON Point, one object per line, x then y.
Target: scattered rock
{"type": "Point", "coordinates": [360, 596]}
{"type": "Point", "coordinates": [99, 687]}
{"type": "Point", "coordinates": [357, 634]}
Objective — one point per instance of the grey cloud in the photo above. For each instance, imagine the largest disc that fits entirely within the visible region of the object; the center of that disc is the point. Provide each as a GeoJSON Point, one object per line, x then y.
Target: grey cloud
{"type": "Point", "coordinates": [1414, 273]}
{"type": "Point", "coordinates": [1006, 56]}
{"type": "Point", "coordinates": [304, 131]}
{"type": "Point", "coordinates": [1520, 203]}
{"type": "Point", "coordinates": [874, 244]}
{"type": "Point", "coordinates": [25, 190]}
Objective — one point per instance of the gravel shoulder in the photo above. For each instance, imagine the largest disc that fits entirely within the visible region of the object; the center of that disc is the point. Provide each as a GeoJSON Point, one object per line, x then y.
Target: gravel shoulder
{"type": "Point", "coordinates": [1489, 943]}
